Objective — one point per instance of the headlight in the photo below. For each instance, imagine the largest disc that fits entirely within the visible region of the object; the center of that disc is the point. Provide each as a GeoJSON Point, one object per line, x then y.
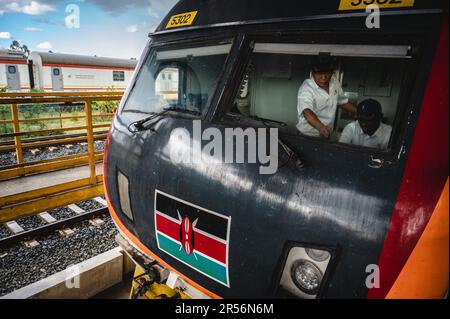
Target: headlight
{"type": "Point", "coordinates": [306, 276]}
{"type": "Point", "coordinates": [304, 271]}
{"type": "Point", "coordinates": [317, 255]}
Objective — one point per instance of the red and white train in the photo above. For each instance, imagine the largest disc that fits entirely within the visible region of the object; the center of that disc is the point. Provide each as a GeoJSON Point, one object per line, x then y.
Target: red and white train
{"type": "Point", "coordinates": [63, 72]}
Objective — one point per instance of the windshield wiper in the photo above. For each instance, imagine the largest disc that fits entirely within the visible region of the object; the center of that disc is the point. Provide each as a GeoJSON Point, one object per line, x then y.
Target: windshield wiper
{"type": "Point", "coordinates": [265, 121]}
{"type": "Point", "coordinates": [290, 153]}
{"type": "Point", "coordinates": [139, 125]}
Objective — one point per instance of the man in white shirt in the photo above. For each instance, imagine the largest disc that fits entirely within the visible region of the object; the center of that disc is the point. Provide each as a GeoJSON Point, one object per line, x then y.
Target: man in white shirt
{"type": "Point", "coordinates": [368, 130]}
{"type": "Point", "coordinates": [318, 99]}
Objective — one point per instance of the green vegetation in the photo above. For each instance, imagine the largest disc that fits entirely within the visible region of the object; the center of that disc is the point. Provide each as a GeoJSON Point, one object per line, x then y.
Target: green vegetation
{"type": "Point", "coordinates": [36, 111]}
{"type": "Point", "coordinates": [5, 114]}
{"type": "Point", "coordinates": [106, 106]}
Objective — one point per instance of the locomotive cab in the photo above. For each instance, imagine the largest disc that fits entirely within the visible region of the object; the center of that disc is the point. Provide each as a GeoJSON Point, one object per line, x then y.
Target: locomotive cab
{"type": "Point", "coordinates": [309, 217]}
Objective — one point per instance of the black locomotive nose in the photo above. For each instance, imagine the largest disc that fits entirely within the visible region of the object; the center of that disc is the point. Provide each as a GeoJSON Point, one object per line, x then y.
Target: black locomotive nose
{"type": "Point", "coordinates": [333, 206]}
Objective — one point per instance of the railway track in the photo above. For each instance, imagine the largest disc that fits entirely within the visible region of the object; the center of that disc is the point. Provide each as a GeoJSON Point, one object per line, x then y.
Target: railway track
{"type": "Point", "coordinates": [48, 141]}
{"type": "Point", "coordinates": [51, 242]}
{"type": "Point", "coordinates": [52, 224]}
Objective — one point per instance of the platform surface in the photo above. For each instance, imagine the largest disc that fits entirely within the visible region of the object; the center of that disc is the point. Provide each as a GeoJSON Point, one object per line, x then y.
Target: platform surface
{"type": "Point", "coordinates": [33, 182]}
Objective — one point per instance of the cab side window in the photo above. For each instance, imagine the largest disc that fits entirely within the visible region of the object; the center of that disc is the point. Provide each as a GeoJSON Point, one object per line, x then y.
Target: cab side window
{"type": "Point", "coordinates": [363, 90]}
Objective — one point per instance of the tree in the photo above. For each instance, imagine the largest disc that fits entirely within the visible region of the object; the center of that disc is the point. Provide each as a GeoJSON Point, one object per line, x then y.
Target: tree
{"type": "Point", "coordinates": [16, 46]}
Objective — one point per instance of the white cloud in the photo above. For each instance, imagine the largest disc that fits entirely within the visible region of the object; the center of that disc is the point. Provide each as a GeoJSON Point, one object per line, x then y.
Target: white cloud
{"type": "Point", "coordinates": [33, 29]}
{"type": "Point", "coordinates": [44, 46]}
{"type": "Point", "coordinates": [132, 28]}
{"type": "Point", "coordinates": [111, 44]}
{"type": "Point", "coordinates": [14, 7]}
{"type": "Point", "coordinates": [152, 12]}
{"type": "Point", "coordinates": [152, 7]}
{"type": "Point", "coordinates": [33, 8]}
{"type": "Point", "coordinates": [5, 35]}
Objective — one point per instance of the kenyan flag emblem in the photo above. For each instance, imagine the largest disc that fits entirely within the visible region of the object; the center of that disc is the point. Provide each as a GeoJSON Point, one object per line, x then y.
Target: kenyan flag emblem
{"type": "Point", "coordinates": [193, 235]}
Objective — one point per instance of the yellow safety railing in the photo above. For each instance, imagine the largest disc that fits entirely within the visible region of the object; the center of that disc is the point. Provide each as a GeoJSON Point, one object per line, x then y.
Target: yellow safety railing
{"type": "Point", "coordinates": [35, 201]}
{"type": "Point", "coordinates": [21, 168]}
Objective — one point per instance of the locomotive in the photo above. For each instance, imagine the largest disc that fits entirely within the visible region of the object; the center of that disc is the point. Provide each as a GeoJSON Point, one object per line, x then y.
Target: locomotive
{"type": "Point", "coordinates": [334, 220]}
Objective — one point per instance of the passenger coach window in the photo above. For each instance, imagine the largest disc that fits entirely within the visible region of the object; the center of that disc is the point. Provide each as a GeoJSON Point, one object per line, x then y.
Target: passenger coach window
{"type": "Point", "coordinates": [280, 83]}
{"type": "Point", "coordinates": [183, 79]}
{"type": "Point", "coordinates": [119, 76]}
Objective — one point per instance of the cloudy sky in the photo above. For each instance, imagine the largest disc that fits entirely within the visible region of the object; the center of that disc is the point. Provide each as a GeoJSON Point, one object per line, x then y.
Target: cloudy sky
{"type": "Point", "coordinates": [113, 28]}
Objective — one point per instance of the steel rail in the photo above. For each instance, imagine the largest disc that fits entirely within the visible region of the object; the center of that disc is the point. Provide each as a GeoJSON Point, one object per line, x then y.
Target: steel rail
{"type": "Point", "coordinates": [60, 94]}
{"type": "Point", "coordinates": [46, 119]}
{"type": "Point", "coordinates": [70, 128]}
{"type": "Point", "coordinates": [32, 100]}
{"type": "Point", "coordinates": [50, 138]}
{"type": "Point", "coordinates": [8, 241]}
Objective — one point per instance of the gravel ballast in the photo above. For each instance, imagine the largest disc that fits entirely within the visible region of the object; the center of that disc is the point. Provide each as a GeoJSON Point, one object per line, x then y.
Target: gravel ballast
{"type": "Point", "coordinates": [60, 151]}
{"type": "Point", "coordinates": [21, 266]}
{"type": "Point", "coordinates": [61, 213]}
{"type": "Point", "coordinates": [31, 222]}
{"type": "Point", "coordinates": [4, 232]}
{"type": "Point", "coordinates": [7, 159]}
{"type": "Point", "coordinates": [89, 205]}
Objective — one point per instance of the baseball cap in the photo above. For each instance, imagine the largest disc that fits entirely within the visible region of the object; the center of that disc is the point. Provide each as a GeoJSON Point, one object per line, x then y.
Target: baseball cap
{"type": "Point", "coordinates": [369, 108]}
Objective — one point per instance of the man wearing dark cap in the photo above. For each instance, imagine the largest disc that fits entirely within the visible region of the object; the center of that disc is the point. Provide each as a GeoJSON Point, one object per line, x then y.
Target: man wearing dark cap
{"type": "Point", "coordinates": [368, 130]}
{"type": "Point", "coordinates": [318, 99]}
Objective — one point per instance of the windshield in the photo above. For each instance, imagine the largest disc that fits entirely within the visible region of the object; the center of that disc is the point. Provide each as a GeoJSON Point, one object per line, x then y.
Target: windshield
{"type": "Point", "coordinates": [182, 79]}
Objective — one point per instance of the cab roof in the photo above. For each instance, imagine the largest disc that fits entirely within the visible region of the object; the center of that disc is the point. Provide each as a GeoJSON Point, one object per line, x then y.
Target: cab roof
{"type": "Point", "coordinates": [223, 12]}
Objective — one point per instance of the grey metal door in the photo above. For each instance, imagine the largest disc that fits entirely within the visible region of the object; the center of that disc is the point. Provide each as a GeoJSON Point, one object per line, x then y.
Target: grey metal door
{"type": "Point", "coordinates": [57, 79]}
{"type": "Point", "coordinates": [13, 77]}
